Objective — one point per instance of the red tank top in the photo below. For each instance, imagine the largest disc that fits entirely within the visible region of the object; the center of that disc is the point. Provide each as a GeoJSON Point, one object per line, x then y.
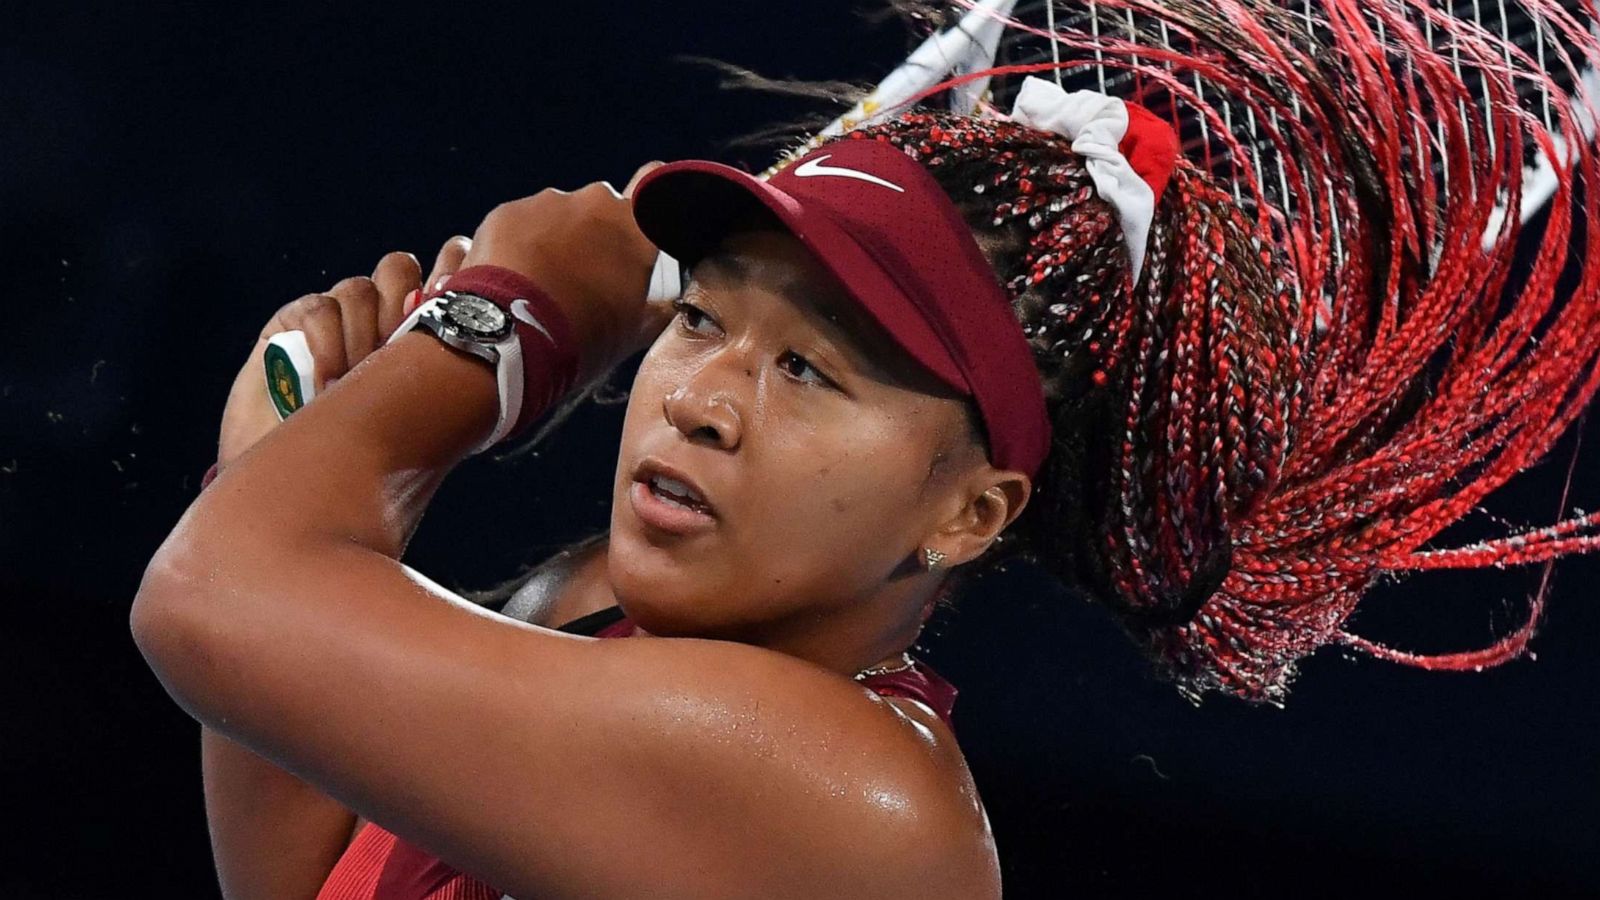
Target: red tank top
{"type": "Point", "coordinates": [379, 866]}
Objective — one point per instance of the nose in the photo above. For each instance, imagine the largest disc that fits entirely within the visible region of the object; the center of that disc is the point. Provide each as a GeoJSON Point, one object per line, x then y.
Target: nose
{"type": "Point", "coordinates": [704, 407]}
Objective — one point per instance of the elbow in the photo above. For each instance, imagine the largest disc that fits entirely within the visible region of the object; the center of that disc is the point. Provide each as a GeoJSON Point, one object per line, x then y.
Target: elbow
{"type": "Point", "coordinates": [154, 612]}
{"type": "Point", "coordinates": [168, 626]}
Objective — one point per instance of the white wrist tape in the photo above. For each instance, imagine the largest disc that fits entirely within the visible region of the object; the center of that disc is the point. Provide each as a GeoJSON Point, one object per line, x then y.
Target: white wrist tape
{"type": "Point", "coordinates": [666, 280]}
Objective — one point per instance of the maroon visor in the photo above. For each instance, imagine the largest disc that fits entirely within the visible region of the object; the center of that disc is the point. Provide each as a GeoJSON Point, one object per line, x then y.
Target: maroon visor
{"type": "Point", "coordinates": [879, 222]}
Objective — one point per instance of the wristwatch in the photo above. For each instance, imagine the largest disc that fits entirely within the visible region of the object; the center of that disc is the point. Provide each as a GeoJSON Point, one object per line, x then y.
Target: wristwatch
{"type": "Point", "coordinates": [477, 325]}
{"type": "Point", "coordinates": [468, 322]}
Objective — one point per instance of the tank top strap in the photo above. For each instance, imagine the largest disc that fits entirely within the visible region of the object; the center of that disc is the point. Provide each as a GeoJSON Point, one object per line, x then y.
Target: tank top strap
{"type": "Point", "coordinates": [595, 622]}
{"type": "Point", "coordinates": [920, 683]}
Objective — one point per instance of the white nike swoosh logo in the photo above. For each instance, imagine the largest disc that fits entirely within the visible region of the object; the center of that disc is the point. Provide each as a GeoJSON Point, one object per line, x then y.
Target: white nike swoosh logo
{"type": "Point", "coordinates": [523, 312]}
{"type": "Point", "coordinates": [813, 167]}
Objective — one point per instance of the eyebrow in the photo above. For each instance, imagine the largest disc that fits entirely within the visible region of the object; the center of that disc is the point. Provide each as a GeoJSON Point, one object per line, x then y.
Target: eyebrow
{"type": "Point", "coordinates": [839, 314]}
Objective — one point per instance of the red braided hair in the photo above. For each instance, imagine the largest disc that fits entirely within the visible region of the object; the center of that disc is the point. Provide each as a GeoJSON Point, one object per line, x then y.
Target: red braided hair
{"type": "Point", "coordinates": [1311, 379]}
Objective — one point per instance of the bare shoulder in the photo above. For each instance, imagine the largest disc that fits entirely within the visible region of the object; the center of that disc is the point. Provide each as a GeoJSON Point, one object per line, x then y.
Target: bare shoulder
{"type": "Point", "coordinates": [879, 781]}
{"type": "Point", "coordinates": [874, 793]}
{"type": "Point", "coordinates": [950, 796]}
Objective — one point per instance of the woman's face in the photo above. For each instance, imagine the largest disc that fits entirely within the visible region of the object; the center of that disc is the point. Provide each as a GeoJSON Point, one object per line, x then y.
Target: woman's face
{"type": "Point", "coordinates": [822, 449]}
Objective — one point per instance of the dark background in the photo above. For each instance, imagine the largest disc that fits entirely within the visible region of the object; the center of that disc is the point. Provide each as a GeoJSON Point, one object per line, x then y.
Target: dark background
{"type": "Point", "coordinates": [170, 176]}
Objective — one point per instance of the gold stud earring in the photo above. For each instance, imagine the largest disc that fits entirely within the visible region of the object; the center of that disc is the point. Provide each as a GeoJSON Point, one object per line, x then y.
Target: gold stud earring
{"type": "Point", "coordinates": [931, 558]}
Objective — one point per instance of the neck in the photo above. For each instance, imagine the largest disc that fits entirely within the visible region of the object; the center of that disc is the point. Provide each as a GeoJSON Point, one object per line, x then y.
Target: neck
{"type": "Point", "coordinates": [848, 638]}
{"type": "Point", "coordinates": [871, 633]}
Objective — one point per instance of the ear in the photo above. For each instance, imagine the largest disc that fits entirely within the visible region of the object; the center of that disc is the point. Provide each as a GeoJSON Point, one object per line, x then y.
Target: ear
{"type": "Point", "coordinates": [993, 498]}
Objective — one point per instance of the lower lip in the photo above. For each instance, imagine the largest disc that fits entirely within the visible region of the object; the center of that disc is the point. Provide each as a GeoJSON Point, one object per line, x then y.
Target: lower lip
{"type": "Point", "coordinates": [659, 514]}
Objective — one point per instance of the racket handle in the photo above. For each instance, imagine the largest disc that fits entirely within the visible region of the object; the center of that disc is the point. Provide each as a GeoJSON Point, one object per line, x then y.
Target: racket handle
{"type": "Point", "coordinates": [290, 372]}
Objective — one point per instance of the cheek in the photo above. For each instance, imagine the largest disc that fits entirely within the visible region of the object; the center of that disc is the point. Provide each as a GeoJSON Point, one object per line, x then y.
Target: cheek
{"type": "Point", "coordinates": [660, 371]}
{"type": "Point", "coordinates": [655, 367]}
{"type": "Point", "coordinates": [844, 490]}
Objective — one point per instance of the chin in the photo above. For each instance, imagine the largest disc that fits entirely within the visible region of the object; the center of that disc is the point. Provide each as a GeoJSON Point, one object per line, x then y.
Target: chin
{"type": "Point", "coordinates": [656, 614]}
{"type": "Point", "coordinates": [655, 589]}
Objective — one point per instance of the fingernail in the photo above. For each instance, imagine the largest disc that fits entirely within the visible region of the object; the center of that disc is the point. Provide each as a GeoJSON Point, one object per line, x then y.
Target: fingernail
{"type": "Point", "coordinates": [439, 285]}
{"type": "Point", "coordinates": [411, 301]}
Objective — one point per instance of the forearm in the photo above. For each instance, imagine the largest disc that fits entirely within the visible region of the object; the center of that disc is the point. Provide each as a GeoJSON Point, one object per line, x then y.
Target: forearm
{"type": "Point", "coordinates": [272, 834]}
{"type": "Point", "coordinates": [255, 559]}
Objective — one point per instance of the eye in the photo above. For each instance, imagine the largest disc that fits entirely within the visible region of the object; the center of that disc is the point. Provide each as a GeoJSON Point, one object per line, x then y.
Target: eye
{"type": "Point", "coordinates": [689, 315]}
{"type": "Point", "coordinates": [805, 364]}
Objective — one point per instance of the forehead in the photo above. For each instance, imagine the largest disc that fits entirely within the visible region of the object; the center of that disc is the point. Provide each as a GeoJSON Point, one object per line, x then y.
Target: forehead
{"type": "Point", "coordinates": [773, 259]}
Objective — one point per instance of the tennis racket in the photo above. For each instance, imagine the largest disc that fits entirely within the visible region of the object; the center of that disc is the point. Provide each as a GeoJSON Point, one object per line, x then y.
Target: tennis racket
{"type": "Point", "coordinates": [1522, 60]}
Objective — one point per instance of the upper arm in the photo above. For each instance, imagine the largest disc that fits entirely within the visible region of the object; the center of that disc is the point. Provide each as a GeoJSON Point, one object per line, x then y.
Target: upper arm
{"type": "Point", "coordinates": [548, 763]}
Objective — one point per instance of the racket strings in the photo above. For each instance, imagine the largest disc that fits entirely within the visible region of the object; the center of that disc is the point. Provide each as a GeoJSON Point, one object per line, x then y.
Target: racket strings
{"type": "Point", "coordinates": [1100, 30]}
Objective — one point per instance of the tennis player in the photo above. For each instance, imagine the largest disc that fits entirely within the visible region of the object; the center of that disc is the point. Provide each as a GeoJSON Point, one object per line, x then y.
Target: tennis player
{"type": "Point", "coordinates": [935, 343]}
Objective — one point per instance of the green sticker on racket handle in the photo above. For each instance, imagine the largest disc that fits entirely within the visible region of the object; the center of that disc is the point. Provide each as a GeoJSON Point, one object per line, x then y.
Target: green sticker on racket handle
{"type": "Point", "coordinates": [290, 372]}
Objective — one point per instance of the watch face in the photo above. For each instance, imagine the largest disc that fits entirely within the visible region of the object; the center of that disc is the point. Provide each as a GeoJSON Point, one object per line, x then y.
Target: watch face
{"type": "Point", "coordinates": [476, 316]}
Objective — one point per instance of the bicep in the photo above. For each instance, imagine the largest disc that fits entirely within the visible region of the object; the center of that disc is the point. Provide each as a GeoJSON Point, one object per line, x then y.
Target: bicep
{"type": "Point", "coordinates": [539, 760]}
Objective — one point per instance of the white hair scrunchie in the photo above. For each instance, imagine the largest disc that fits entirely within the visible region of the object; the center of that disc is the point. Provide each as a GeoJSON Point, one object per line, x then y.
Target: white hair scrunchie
{"type": "Point", "coordinates": [1129, 151]}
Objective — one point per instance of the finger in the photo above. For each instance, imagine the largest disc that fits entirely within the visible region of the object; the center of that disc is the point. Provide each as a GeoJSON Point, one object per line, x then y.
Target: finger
{"type": "Point", "coordinates": [412, 301]}
{"type": "Point", "coordinates": [358, 313]}
{"type": "Point", "coordinates": [397, 275]}
{"type": "Point", "coordinates": [447, 262]}
{"type": "Point", "coordinates": [638, 175]}
{"type": "Point", "coordinates": [319, 317]}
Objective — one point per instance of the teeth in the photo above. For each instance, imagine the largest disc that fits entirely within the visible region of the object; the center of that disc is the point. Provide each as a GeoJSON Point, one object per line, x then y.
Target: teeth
{"type": "Point", "coordinates": [676, 488]}
{"type": "Point", "coordinates": [668, 500]}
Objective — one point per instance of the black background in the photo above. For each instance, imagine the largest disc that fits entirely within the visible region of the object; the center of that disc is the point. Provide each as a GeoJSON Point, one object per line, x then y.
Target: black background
{"type": "Point", "coordinates": [170, 176]}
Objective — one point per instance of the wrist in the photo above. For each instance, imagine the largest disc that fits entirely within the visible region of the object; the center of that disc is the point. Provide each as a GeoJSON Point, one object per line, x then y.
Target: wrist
{"type": "Point", "coordinates": [542, 362]}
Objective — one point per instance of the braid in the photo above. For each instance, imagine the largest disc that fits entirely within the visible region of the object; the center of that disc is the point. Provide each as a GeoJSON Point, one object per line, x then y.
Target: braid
{"type": "Point", "coordinates": [1316, 375]}
{"type": "Point", "coordinates": [1164, 404]}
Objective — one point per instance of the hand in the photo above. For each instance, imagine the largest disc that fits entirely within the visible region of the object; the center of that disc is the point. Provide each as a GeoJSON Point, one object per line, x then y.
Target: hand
{"type": "Point", "coordinates": [342, 327]}
{"type": "Point", "coordinates": [585, 251]}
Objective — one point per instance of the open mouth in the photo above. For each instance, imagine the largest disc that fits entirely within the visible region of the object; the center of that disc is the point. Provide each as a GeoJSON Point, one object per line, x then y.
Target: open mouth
{"type": "Point", "coordinates": [677, 494]}
{"type": "Point", "coordinates": [668, 499]}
